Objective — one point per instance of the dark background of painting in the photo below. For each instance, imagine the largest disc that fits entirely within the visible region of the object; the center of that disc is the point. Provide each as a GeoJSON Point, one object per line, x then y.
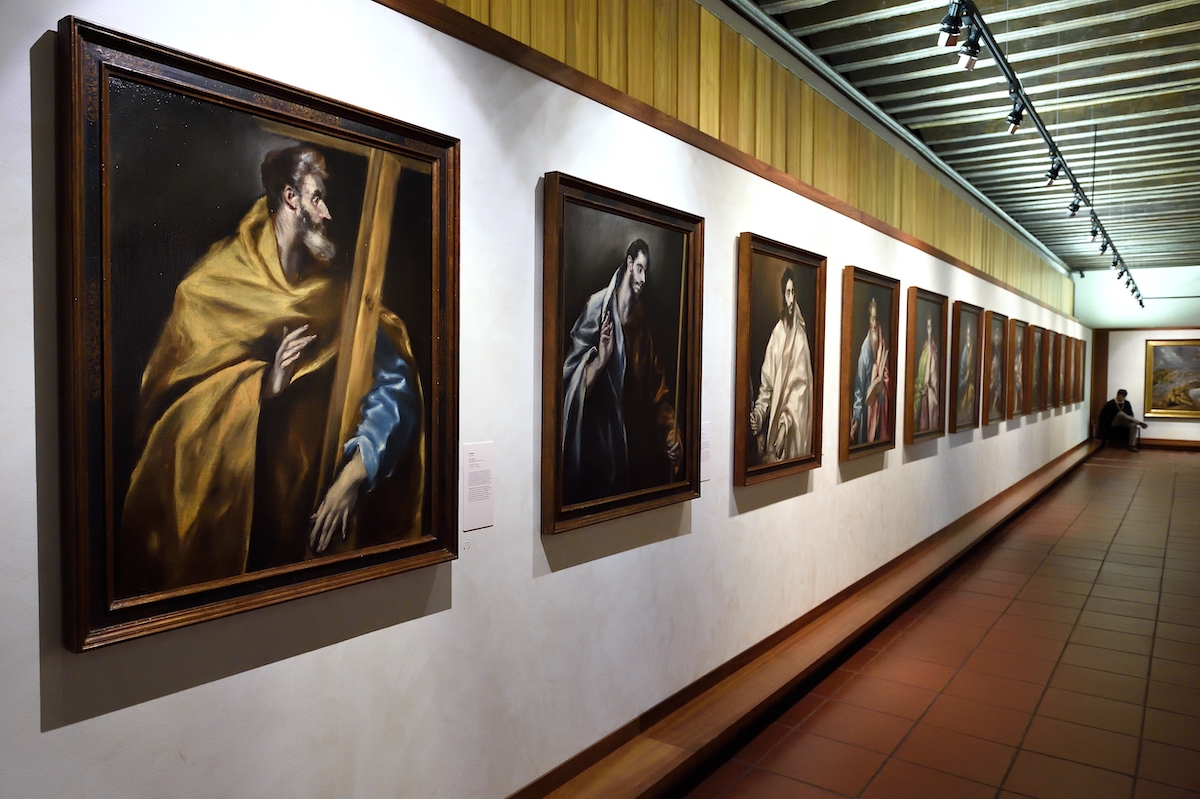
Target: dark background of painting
{"type": "Point", "coordinates": [594, 245]}
{"type": "Point", "coordinates": [1016, 399]}
{"type": "Point", "coordinates": [968, 328]}
{"type": "Point", "coordinates": [929, 309]}
{"type": "Point", "coordinates": [766, 303]}
{"type": "Point", "coordinates": [860, 323]}
{"type": "Point", "coordinates": [1039, 399]}
{"type": "Point", "coordinates": [181, 174]}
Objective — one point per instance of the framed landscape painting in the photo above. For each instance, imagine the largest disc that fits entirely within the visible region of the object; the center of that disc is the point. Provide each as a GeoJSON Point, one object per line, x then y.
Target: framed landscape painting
{"type": "Point", "coordinates": [995, 367]}
{"type": "Point", "coordinates": [925, 366]}
{"type": "Point", "coordinates": [965, 360]}
{"type": "Point", "coordinates": [1173, 379]}
{"type": "Point", "coordinates": [780, 360]}
{"type": "Point", "coordinates": [259, 358]}
{"type": "Point", "coordinates": [1018, 362]}
{"type": "Point", "coordinates": [620, 354]}
{"type": "Point", "coordinates": [870, 325]}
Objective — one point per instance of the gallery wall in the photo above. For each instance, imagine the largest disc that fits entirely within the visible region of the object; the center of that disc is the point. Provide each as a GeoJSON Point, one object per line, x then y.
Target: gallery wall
{"type": "Point", "coordinates": [1127, 370]}
{"type": "Point", "coordinates": [472, 678]}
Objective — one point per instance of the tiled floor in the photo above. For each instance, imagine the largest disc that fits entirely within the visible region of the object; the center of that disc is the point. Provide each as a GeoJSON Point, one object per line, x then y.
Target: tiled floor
{"type": "Point", "coordinates": [1062, 659]}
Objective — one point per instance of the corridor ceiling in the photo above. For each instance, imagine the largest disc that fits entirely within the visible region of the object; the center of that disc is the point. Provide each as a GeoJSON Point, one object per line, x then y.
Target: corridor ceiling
{"type": "Point", "coordinates": [1116, 83]}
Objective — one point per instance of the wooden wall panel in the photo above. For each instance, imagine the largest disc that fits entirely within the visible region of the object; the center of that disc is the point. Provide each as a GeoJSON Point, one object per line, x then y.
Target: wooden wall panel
{"type": "Point", "coordinates": [680, 58]}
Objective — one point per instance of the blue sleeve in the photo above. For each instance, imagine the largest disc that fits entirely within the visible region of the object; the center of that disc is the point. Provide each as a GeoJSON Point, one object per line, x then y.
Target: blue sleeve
{"type": "Point", "coordinates": [390, 413]}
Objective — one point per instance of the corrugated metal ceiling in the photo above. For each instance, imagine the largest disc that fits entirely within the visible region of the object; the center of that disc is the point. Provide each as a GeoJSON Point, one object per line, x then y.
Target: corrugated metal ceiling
{"type": "Point", "coordinates": [1117, 84]}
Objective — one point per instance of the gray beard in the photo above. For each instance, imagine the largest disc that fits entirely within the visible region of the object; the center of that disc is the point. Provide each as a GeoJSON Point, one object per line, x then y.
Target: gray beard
{"type": "Point", "coordinates": [319, 246]}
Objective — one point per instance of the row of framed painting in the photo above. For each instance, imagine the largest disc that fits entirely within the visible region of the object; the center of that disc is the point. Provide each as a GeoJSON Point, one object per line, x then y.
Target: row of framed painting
{"type": "Point", "coordinates": [260, 396]}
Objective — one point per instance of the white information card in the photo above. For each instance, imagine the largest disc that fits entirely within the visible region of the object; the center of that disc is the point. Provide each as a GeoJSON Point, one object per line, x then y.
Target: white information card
{"type": "Point", "coordinates": [475, 486]}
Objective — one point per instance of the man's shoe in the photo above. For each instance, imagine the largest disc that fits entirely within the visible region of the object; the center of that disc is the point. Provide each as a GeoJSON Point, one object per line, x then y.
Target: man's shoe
{"type": "Point", "coordinates": [1134, 449]}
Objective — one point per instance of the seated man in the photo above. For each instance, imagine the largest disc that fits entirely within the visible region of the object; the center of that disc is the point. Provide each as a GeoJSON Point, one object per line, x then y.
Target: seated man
{"type": "Point", "coordinates": [1117, 422]}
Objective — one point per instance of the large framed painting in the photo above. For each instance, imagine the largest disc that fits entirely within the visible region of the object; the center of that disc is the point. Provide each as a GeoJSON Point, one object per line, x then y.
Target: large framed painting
{"type": "Point", "coordinates": [1173, 379]}
{"type": "Point", "coordinates": [1037, 368]}
{"type": "Point", "coordinates": [1051, 345]}
{"type": "Point", "coordinates": [780, 360]}
{"type": "Point", "coordinates": [870, 325]}
{"type": "Point", "coordinates": [1060, 381]}
{"type": "Point", "coordinates": [1081, 370]}
{"type": "Point", "coordinates": [925, 366]}
{"type": "Point", "coordinates": [965, 359]}
{"type": "Point", "coordinates": [620, 354]}
{"type": "Point", "coordinates": [995, 367]}
{"type": "Point", "coordinates": [260, 333]}
{"type": "Point", "coordinates": [1018, 368]}
{"type": "Point", "coordinates": [1068, 370]}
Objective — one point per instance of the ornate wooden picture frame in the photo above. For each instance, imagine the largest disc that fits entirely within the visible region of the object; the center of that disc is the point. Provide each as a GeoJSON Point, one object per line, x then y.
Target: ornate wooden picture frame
{"type": "Point", "coordinates": [1051, 348]}
{"type": "Point", "coordinates": [620, 354]}
{"type": "Point", "coordinates": [1172, 379]}
{"type": "Point", "coordinates": [259, 387]}
{"type": "Point", "coordinates": [1037, 369]}
{"type": "Point", "coordinates": [870, 326]}
{"type": "Point", "coordinates": [925, 366]}
{"type": "Point", "coordinates": [995, 368]}
{"type": "Point", "coordinates": [1019, 362]}
{"type": "Point", "coordinates": [965, 361]}
{"type": "Point", "coordinates": [780, 371]}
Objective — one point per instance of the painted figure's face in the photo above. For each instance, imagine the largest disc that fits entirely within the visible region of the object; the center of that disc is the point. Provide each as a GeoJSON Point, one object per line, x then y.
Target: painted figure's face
{"type": "Point", "coordinates": [315, 216]}
{"type": "Point", "coordinates": [637, 272]}
{"type": "Point", "coordinates": [789, 298]}
{"type": "Point", "coordinates": [928, 329]}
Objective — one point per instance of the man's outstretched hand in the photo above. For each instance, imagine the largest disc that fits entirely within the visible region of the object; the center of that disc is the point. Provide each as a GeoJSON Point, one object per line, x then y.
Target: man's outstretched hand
{"type": "Point", "coordinates": [279, 376]}
{"type": "Point", "coordinates": [333, 516]}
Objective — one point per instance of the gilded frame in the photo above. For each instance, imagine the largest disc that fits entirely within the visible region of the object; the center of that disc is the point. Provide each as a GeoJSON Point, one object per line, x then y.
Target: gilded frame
{"type": "Point", "coordinates": [571, 281]}
{"type": "Point", "coordinates": [761, 265]}
{"type": "Point", "coordinates": [108, 595]}
{"type": "Point", "coordinates": [917, 296]}
{"type": "Point", "coordinates": [854, 312]}
{"type": "Point", "coordinates": [1170, 402]}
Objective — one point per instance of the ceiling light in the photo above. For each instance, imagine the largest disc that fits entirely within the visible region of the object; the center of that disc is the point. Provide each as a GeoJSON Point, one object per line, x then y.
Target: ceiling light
{"type": "Point", "coordinates": [968, 54]}
{"type": "Point", "coordinates": [1052, 175]}
{"type": "Point", "coordinates": [951, 25]}
{"type": "Point", "coordinates": [1104, 245]}
{"type": "Point", "coordinates": [1081, 274]}
{"type": "Point", "coordinates": [1116, 260]}
{"type": "Point", "coordinates": [1016, 114]}
{"type": "Point", "coordinates": [1095, 228]}
{"type": "Point", "coordinates": [1073, 208]}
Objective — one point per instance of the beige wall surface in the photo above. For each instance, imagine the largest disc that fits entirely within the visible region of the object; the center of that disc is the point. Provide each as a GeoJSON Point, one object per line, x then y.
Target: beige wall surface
{"type": "Point", "coordinates": [472, 678]}
{"type": "Point", "coordinates": [1127, 370]}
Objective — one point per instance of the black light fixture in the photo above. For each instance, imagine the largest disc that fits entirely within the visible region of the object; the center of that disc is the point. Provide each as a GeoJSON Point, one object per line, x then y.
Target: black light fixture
{"type": "Point", "coordinates": [1073, 208]}
{"type": "Point", "coordinates": [1017, 113]}
{"type": "Point", "coordinates": [951, 25]}
{"type": "Point", "coordinates": [968, 54]}
{"type": "Point", "coordinates": [1117, 260]}
{"type": "Point", "coordinates": [1095, 228]}
{"type": "Point", "coordinates": [1081, 274]}
{"type": "Point", "coordinates": [1052, 175]}
{"type": "Point", "coordinates": [1104, 245]}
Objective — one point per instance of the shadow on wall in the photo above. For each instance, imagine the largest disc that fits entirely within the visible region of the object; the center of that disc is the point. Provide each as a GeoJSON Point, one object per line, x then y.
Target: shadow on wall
{"type": "Point", "coordinates": [599, 541]}
{"type": "Point", "coordinates": [76, 687]}
{"type": "Point", "coordinates": [861, 467]}
{"type": "Point", "coordinates": [920, 450]}
{"type": "Point", "coordinates": [744, 499]}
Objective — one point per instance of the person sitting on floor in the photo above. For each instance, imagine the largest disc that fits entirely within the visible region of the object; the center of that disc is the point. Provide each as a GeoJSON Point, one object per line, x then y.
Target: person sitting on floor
{"type": "Point", "coordinates": [1117, 421]}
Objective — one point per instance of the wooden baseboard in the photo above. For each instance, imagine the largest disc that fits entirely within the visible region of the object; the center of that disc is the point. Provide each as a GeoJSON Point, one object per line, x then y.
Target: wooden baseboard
{"type": "Point", "coordinates": [661, 749]}
{"type": "Point", "coordinates": [1169, 443]}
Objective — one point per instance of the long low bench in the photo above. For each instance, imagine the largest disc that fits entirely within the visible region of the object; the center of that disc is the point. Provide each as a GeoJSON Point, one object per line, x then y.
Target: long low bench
{"type": "Point", "coordinates": [669, 744]}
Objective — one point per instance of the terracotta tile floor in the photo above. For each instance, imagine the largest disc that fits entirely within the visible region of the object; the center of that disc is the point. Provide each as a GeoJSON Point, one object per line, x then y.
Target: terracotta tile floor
{"type": "Point", "coordinates": [1061, 659]}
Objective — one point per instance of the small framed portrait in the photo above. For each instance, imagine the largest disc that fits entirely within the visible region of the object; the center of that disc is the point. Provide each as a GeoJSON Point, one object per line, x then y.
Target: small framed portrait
{"type": "Point", "coordinates": [995, 367]}
{"type": "Point", "coordinates": [1019, 362]}
{"type": "Point", "coordinates": [780, 360]}
{"type": "Point", "coordinates": [260, 391]}
{"type": "Point", "coordinates": [870, 325]}
{"type": "Point", "coordinates": [925, 366]}
{"type": "Point", "coordinates": [965, 359]}
{"type": "Point", "coordinates": [1173, 379]}
{"type": "Point", "coordinates": [620, 354]}
{"type": "Point", "coordinates": [1037, 368]}
{"type": "Point", "coordinates": [1053, 400]}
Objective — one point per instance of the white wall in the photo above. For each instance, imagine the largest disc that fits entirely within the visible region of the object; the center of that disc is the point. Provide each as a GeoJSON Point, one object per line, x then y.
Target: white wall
{"type": "Point", "coordinates": [1171, 298]}
{"type": "Point", "coordinates": [1127, 370]}
{"type": "Point", "coordinates": [472, 678]}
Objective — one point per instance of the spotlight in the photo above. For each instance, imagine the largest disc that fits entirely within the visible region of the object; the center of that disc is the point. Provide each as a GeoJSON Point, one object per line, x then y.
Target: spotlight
{"type": "Point", "coordinates": [1052, 175]}
{"type": "Point", "coordinates": [1128, 282]}
{"type": "Point", "coordinates": [1081, 274]}
{"type": "Point", "coordinates": [968, 54]}
{"type": "Point", "coordinates": [951, 25]}
{"type": "Point", "coordinates": [1116, 260]}
{"type": "Point", "coordinates": [1073, 208]}
{"type": "Point", "coordinates": [1104, 245]}
{"type": "Point", "coordinates": [1095, 228]}
{"type": "Point", "coordinates": [1141, 304]}
{"type": "Point", "coordinates": [1122, 273]}
{"type": "Point", "coordinates": [1017, 114]}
